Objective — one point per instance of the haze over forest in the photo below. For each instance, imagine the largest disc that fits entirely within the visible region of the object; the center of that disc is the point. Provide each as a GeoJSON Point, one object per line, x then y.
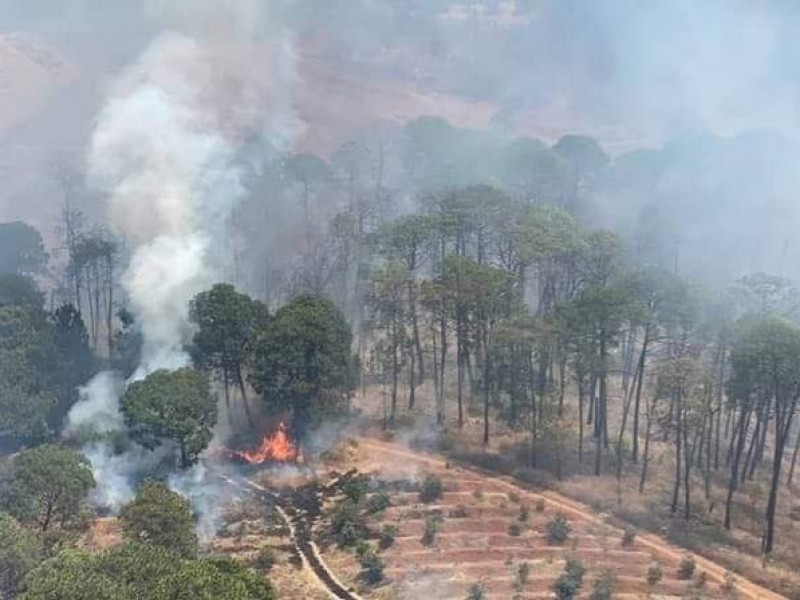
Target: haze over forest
{"type": "Point", "coordinates": [399, 299]}
{"type": "Point", "coordinates": [694, 104]}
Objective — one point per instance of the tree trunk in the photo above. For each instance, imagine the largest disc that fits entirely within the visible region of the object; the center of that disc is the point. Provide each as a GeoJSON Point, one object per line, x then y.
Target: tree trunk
{"type": "Point", "coordinates": [794, 459]}
{"type": "Point", "coordinates": [740, 435]}
{"type": "Point", "coordinates": [646, 452]}
{"type": "Point", "coordinates": [243, 391]}
{"type": "Point", "coordinates": [673, 508]}
{"type": "Point", "coordinates": [639, 384]}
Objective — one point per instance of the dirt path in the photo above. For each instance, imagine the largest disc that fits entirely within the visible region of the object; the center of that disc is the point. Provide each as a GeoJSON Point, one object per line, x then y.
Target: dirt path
{"type": "Point", "coordinates": [653, 543]}
{"type": "Point", "coordinates": [306, 549]}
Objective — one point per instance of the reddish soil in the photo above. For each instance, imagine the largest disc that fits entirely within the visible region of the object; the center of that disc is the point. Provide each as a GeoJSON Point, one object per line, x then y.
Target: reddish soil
{"type": "Point", "coordinates": [475, 544]}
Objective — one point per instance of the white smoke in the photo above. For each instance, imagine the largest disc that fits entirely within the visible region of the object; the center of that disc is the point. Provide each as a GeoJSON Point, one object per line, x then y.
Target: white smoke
{"type": "Point", "coordinates": [164, 153]}
{"type": "Point", "coordinates": [97, 409]}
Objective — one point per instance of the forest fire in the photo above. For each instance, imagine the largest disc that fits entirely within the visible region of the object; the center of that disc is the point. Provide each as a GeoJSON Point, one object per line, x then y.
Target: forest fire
{"type": "Point", "coordinates": [274, 447]}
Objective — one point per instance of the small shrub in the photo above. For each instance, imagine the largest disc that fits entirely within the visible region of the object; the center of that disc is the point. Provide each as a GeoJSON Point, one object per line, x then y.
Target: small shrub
{"type": "Point", "coordinates": [386, 536]}
{"type": "Point", "coordinates": [265, 559]}
{"type": "Point", "coordinates": [356, 487]}
{"type": "Point", "coordinates": [513, 497]}
{"type": "Point", "coordinates": [523, 573]}
{"type": "Point", "coordinates": [729, 587]}
{"type": "Point", "coordinates": [346, 525]}
{"type": "Point", "coordinates": [540, 505]}
{"type": "Point", "coordinates": [362, 548]}
{"type": "Point", "coordinates": [476, 592]}
{"type": "Point", "coordinates": [568, 584]}
{"type": "Point", "coordinates": [574, 568]}
{"type": "Point", "coordinates": [524, 513]}
{"type": "Point", "coordinates": [565, 588]}
{"type": "Point", "coordinates": [654, 574]}
{"type": "Point", "coordinates": [514, 529]}
{"type": "Point", "coordinates": [558, 530]}
{"type": "Point", "coordinates": [431, 529]}
{"type": "Point", "coordinates": [687, 567]}
{"type": "Point", "coordinates": [701, 580]}
{"type": "Point", "coordinates": [628, 536]}
{"type": "Point", "coordinates": [371, 567]}
{"type": "Point", "coordinates": [431, 489]}
{"type": "Point", "coordinates": [459, 512]}
{"type": "Point", "coordinates": [478, 494]}
{"type": "Point", "coordinates": [604, 586]}
{"type": "Point", "coordinates": [378, 502]}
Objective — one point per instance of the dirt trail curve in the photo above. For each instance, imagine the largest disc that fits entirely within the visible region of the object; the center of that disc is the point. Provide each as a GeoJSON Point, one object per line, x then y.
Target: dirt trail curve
{"type": "Point", "coordinates": [655, 544]}
{"type": "Point", "coordinates": [300, 537]}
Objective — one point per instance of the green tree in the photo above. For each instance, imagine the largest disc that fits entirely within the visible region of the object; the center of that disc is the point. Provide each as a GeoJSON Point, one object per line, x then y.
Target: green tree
{"type": "Point", "coordinates": [20, 552]}
{"type": "Point", "coordinates": [72, 575]}
{"type": "Point", "coordinates": [142, 572]}
{"type": "Point", "coordinates": [227, 322]}
{"type": "Point", "coordinates": [74, 361]}
{"type": "Point", "coordinates": [765, 369]}
{"type": "Point", "coordinates": [21, 249]}
{"type": "Point", "coordinates": [20, 291]}
{"type": "Point", "coordinates": [174, 406]}
{"type": "Point", "coordinates": [303, 362]}
{"type": "Point", "coordinates": [161, 517]}
{"type": "Point", "coordinates": [48, 486]}
{"type": "Point", "coordinates": [387, 303]}
{"type": "Point", "coordinates": [407, 240]}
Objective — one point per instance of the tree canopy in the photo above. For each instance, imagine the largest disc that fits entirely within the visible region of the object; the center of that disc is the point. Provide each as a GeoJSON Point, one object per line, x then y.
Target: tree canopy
{"type": "Point", "coordinates": [160, 517]}
{"type": "Point", "coordinates": [142, 572]}
{"type": "Point", "coordinates": [47, 486]}
{"type": "Point", "coordinates": [303, 361]}
{"type": "Point", "coordinates": [171, 406]}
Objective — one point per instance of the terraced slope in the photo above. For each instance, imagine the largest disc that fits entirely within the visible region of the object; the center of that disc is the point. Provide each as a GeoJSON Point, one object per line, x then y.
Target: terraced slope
{"type": "Point", "coordinates": [482, 539]}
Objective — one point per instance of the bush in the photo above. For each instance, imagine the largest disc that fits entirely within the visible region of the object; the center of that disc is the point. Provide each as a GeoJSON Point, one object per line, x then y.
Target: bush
{"type": "Point", "coordinates": [478, 494]}
{"type": "Point", "coordinates": [523, 573]}
{"type": "Point", "coordinates": [356, 487]}
{"type": "Point", "coordinates": [558, 530]}
{"type": "Point", "coordinates": [701, 580]}
{"type": "Point", "coordinates": [431, 528]}
{"type": "Point", "coordinates": [476, 592]}
{"type": "Point", "coordinates": [346, 525]}
{"type": "Point", "coordinates": [514, 529]}
{"type": "Point", "coordinates": [386, 536]}
{"type": "Point", "coordinates": [574, 568]}
{"type": "Point", "coordinates": [540, 505]}
{"type": "Point", "coordinates": [371, 567]}
{"type": "Point", "coordinates": [604, 586]}
{"type": "Point", "coordinates": [513, 497]}
{"type": "Point", "coordinates": [654, 574]}
{"type": "Point", "coordinates": [524, 513]}
{"type": "Point", "coordinates": [570, 581]}
{"type": "Point", "coordinates": [628, 536]}
{"type": "Point", "coordinates": [378, 502]}
{"type": "Point", "coordinates": [431, 489]}
{"type": "Point", "coordinates": [459, 512]}
{"type": "Point", "coordinates": [362, 548]}
{"type": "Point", "coordinates": [729, 588]}
{"type": "Point", "coordinates": [687, 567]}
{"type": "Point", "coordinates": [265, 559]}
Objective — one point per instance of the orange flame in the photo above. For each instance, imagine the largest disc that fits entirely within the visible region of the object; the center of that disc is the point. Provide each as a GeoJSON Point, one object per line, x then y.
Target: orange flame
{"type": "Point", "coordinates": [276, 447]}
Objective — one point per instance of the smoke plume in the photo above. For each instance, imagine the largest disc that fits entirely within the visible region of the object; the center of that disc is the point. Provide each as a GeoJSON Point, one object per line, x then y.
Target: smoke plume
{"type": "Point", "coordinates": [166, 153]}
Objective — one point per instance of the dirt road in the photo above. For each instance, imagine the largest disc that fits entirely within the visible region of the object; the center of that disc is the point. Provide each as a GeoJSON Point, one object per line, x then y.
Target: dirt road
{"type": "Point", "coordinates": [653, 543]}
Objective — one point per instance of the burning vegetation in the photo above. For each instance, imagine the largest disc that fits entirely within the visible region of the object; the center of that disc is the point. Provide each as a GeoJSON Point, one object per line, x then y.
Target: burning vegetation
{"type": "Point", "coordinates": [277, 446]}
